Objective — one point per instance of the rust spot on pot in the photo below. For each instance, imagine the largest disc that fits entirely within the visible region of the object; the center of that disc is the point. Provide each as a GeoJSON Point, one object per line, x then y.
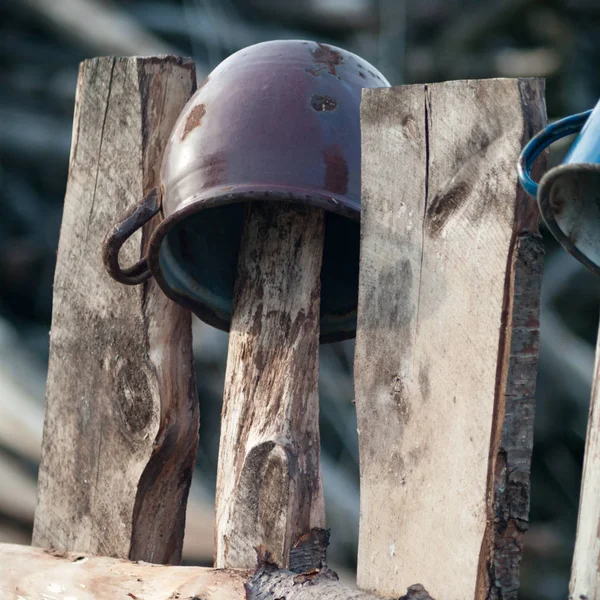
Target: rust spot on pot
{"type": "Point", "coordinates": [194, 119]}
{"type": "Point", "coordinates": [327, 57]}
{"type": "Point", "coordinates": [323, 103]}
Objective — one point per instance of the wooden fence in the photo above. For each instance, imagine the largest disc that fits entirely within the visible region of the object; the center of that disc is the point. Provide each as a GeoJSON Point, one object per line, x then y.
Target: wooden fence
{"type": "Point", "coordinates": [445, 367]}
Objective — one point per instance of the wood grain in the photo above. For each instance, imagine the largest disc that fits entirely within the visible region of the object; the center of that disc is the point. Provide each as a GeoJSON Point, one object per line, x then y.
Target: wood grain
{"type": "Point", "coordinates": [27, 572]}
{"type": "Point", "coordinates": [269, 483]}
{"type": "Point", "coordinates": [585, 572]}
{"type": "Point", "coordinates": [447, 341]}
{"type": "Point", "coordinates": [121, 423]}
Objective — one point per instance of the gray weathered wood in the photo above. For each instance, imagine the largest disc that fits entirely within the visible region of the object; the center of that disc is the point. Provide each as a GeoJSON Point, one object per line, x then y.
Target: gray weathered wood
{"type": "Point", "coordinates": [585, 572]}
{"type": "Point", "coordinates": [447, 342]}
{"type": "Point", "coordinates": [121, 424]}
{"type": "Point", "coordinates": [268, 483]}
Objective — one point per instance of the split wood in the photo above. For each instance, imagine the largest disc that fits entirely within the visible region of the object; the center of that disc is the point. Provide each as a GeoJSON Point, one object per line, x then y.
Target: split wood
{"type": "Point", "coordinates": [121, 425]}
{"type": "Point", "coordinates": [585, 572]}
{"type": "Point", "coordinates": [269, 482]}
{"type": "Point", "coordinates": [447, 340]}
{"type": "Point", "coordinates": [32, 572]}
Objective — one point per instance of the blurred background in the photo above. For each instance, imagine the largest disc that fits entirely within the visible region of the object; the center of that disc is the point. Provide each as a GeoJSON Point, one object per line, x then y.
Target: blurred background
{"type": "Point", "coordinates": [41, 44]}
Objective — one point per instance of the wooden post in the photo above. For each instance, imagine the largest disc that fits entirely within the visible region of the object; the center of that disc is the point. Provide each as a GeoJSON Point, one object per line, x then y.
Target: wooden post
{"type": "Point", "coordinates": [447, 341]}
{"type": "Point", "coordinates": [585, 573]}
{"type": "Point", "coordinates": [269, 483]}
{"type": "Point", "coordinates": [121, 426]}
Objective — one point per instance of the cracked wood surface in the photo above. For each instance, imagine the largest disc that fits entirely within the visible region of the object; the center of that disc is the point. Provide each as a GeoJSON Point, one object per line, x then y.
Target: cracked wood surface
{"type": "Point", "coordinates": [585, 572]}
{"type": "Point", "coordinates": [29, 573]}
{"type": "Point", "coordinates": [121, 424]}
{"type": "Point", "coordinates": [32, 572]}
{"type": "Point", "coordinates": [447, 342]}
{"type": "Point", "coordinates": [268, 481]}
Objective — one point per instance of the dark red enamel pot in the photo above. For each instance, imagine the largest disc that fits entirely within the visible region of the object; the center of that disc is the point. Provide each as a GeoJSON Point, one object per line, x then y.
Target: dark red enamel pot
{"type": "Point", "coordinates": [278, 121]}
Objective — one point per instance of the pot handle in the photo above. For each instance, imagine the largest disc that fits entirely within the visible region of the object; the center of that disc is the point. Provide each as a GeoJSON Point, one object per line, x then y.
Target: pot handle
{"type": "Point", "coordinates": [541, 141]}
{"type": "Point", "coordinates": [132, 220]}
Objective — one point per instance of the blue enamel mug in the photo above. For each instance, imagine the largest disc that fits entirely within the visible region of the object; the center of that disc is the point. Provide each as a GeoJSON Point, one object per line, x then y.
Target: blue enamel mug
{"type": "Point", "coordinates": [569, 195]}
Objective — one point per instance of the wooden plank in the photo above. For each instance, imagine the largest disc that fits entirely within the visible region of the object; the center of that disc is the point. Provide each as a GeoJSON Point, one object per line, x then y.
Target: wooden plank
{"type": "Point", "coordinates": [28, 573]}
{"type": "Point", "coordinates": [268, 483]}
{"type": "Point", "coordinates": [585, 572]}
{"type": "Point", "coordinates": [21, 427]}
{"type": "Point", "coordinates": [121, 424]}
{"type": "Point", "coordinates": [447, 341]}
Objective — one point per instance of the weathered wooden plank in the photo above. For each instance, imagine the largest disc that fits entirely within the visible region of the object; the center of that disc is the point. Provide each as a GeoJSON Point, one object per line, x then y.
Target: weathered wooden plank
{"type": "Point", "coordinates": [585, 572]}
{"type": "Point", "coordinates": [447, 341]}
{"type": "Point", "coordinates": [269, 483]}
{"type": "Point", "coordinates": [121, 424]}
{"type": "Point", "coordinates": [27, 572]}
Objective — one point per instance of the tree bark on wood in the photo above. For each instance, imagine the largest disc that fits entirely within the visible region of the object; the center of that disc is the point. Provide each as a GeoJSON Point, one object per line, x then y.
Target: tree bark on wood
{"type": "Point", "coordinates": [121, 424]}
{"type": "Point", "coordinates": [585, 572]}
{"type": "Point", "coordinates": [27, 572]}
{"type": "Point", "coordinates": [447, 341]}
{"type": "Point", "coordinates": [269, 483]}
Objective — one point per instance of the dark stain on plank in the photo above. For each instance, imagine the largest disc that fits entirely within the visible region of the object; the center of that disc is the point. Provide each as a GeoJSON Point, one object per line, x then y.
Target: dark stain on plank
{"type": "Point", "coordinates": [444, 205]}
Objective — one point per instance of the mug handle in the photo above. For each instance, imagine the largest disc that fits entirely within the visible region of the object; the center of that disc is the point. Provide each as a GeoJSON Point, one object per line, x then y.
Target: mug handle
{"type": "Point", "coordinates": [136, 217]}
{"type": "Point", "coordinates": [541, 141]}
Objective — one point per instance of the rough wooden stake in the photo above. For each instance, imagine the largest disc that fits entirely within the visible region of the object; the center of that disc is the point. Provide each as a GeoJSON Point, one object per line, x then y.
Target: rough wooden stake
{"type": "Point", "coordinates": [121, 425]}
{"type": "Point", "coordinates": [447, 341]}
{"type": "Point", "coordinates": [585, 573]}
{"type": "Point", "coordinates": [269, 483]}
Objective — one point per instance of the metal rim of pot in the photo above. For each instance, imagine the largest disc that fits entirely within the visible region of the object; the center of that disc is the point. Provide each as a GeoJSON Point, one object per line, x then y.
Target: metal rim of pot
{"type": "Point", "coordinates": [151, 205]}
{"type": "Point", "coordinates": [193, 176]}
{"type": "Point", "coordinates": [549, 209]}
{"type": "Point", "coordinates": [542, 192]}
